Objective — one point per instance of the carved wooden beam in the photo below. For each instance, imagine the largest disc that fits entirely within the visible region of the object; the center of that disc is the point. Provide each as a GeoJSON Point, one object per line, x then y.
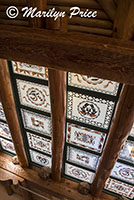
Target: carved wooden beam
{"type": "Point", "coordinates": [82, 53]}
{"type": "Point", "coordinates": [10, 112]}
{"type": "Point", "coordinates": [57, 85]}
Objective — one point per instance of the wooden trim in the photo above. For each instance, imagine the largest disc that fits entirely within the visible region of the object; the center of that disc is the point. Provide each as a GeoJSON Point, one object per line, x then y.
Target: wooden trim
{"type": "Point", "coordinates": [82, 53]}
{"type": "Point", "coordinates": [120, 128]}
{"type": "Point", "coordinates": [62, 190]}
{"type": "Point", "coordinates": [57, 86]}
{"type": "Point", "coordinates": [10, 112]}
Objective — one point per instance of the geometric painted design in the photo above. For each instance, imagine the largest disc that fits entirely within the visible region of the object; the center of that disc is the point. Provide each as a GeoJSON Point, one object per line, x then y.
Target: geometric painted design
{"type": "Point", "coordinates": [93, 83]}
{"type": "Point", "coordinates": [40, 158]}
{"type": "Point", "coordinates": [34, 95]}
{"type": "Point", "coordinates": [90, 110]}
{"type": "Point", "coordinates": [127, 153]}
{"type": "Point", "coordinates": [82, 158]}
{"type": "Point", "coordinates": [84, 137]}
{"type": "Point", "coordinates": [123, 172]}
{"type": "Point", "coordinates": [2, 114]}
{"type": "Point", "coordinates": [7, 145]}
{"type": "Point", "coordinates": [39, 143]}
{"type": "Point", "coordinates": [119, 188]}
{"type": "Point", "coordinates": [4, 130]}
{"type": "Point", "coordinates": [30, 70]}
{"type": "Point", "coordinates": [79, 173]}
{"type": "Point", "coordinates": [37, 122]}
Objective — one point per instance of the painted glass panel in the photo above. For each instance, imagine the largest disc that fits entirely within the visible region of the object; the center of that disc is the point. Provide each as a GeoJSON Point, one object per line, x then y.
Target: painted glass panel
{"type": "Point", "coordinates": [37, 122]}
{"type": "Point", "coordinates": [39, 143]}
{"type": "Point", "coordinates": [90, 110]}
{"type": "Point", "coordinates": [82, 158]}
{"type": "Point", "coordinates": [7, 145]}
{"type": "Point", "coordinates": [84, 137]}
{"type": "Point", "coordinates": [93, 83]}
{"type": "Point", "coordinates": [79, 173]}
{"type": "Point", "coordinates": [2, 114]}
{"type": "Point", "coordinates": [123, 172]}
{"type": "Point", "coordinates": [40, 158]}
{"type": "Point", "coordinates": [4, 130]}
{"type": "Point", "coordinates": [120, 188]}
{"type": "Point", "coordinates": [34, 95]}
{"type": "Point", "coordinates": [30, 70]}
{"type": "Point", "coordinates": [127, 153]}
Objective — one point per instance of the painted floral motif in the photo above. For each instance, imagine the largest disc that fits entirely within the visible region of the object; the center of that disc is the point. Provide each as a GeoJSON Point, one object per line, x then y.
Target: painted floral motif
{"type": "Point", "coordinates": [4, 130]}
{"type": "Point", "coordinates": [2, 114]}
{"type": "Point", "coordinates": [90, 110]}
{"type": "Point", "coordinates": [79, 173]}
{"type": "Point", "coordinates": [39, 143]}
{"type": "Point", "coordinates": [120, 188]}
{"type": "Point", "coordinates": [93, 83]}
{"type": "Point", "coordinates": [123, 172]}
{"type": "Point", "coordinates": [37, 122]}
{"type": "Point", "coordinates": [7, 145]}
{"type": "Point", "coordinates": [40, 159]}
{"type": "Point", "coordinates": [84, 137]}
{"type": "Point", "coordinates": [127, 153]}
{"type": "Point", "coordinates": [30, 70]}
{"type": "Point", "coordinates": [82, 158]}
{"type": "Point", "coordinates": [34, 95]}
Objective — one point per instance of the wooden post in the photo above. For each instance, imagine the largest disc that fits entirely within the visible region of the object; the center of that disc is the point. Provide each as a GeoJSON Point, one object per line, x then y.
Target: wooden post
{"type": "Point", "coordinates": [41, 6]}
{"type": "Point", "coordinates": [57, 85]}
{"type": "Point", "coordinates": [124, 114]}
{"type": "Point", "coordinates": [10, 112]}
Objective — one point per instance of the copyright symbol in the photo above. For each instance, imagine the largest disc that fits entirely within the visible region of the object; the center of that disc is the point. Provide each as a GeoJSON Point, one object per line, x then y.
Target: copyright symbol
{"type": "Point", "coordinates": [12, 12]}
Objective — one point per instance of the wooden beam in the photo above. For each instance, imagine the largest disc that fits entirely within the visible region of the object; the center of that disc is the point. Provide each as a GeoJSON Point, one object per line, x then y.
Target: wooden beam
{"type": "Point", "coordinates": [65, 190]}
{"type": "Point", "coordinates": [124, 23]}
{"type": "Point", "coordinates": [57, 86]}
{"type": "Point", "coordinates": [10, 112]}
{"type": "Point", "coordinates": [82, 53]}
{"type": "Point", "coordinates": [120, 128]}
{"type": "Point", "coordinates": [41, 6]}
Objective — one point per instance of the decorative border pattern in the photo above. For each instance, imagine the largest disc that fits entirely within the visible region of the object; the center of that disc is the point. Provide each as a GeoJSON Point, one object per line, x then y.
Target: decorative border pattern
{"type": "Point", "coordinates": [120, 188]}
{"type": "Point", "coordinates": [30, 70]}
{"type": "Point", "coordinates": [37, 122]}
{"type": "Point", "coordinates": [82, 158]}
{"type": "Point", "coordinates": [40, 158]}
{"type": "Point", "coordinates": [39, 143]}
{"type": "Point", "coordinates": [7, 145]}
{"type": "Point", "coordinates": [127, 153]}
{"type": "Point", "coordinates": [2, 114]}
{"type": "Point", "coordinates": [90, 110]}
{"type": "Point", "coordinates": [34, 95]}
{"type": "Point", "coordinates": [4, 130]}
{"type": "Point", "coordinates": [79, 173]}
{"type": "Point", "coordinates": [123, 172]}
{"type": "Point", "coordinates": [93, 83]}
{"type": "Point", "coordinates": [84, 137]}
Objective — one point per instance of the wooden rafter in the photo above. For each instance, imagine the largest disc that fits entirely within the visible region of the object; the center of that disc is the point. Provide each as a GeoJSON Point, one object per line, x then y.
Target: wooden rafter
{"type": "Point", "coordinates": [10, 112]}
{"type": "Point", "coordinates": [102, 57]}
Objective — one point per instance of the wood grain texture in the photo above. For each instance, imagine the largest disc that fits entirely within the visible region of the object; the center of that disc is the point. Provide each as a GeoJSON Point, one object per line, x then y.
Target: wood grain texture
{"type": "Point", "coordinates": [65, 190]}
{"type": "Point", "coordinates": [13, 2]}
{"type": "Point", "coordinates": [109, 7]}
{"type": "Point", "coordinates": [82, 53]}
{"type": "Point", "coordinates": [119, 131]}
{"type": "Point", "coordinates": [124, 23]}
{"type": "Point", "coordinates": [10, 112]}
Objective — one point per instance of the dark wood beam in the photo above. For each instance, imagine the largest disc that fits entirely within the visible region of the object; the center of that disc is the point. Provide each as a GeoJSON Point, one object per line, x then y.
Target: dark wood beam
{"type": "Point", "coordinates": [57, 86]}
{"type": "Point", "coordinates": [121, 126]}
{"type": "Point", "coordinates": [65, 190]}
{"type": "Point", "coordinates": [106, 58]}
{"type": "Point", "coordinates": [10, 113]}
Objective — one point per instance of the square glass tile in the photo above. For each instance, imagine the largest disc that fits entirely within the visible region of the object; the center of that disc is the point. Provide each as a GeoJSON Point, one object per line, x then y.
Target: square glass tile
{"type": "Point", "coordinates": [2, 114]}
{"type": "Point", "coordinates": [127, 153]}
{"type": "Point", "coordinates": [7, 145]}
{"type": "Point", "coordinates": [4, 131]}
